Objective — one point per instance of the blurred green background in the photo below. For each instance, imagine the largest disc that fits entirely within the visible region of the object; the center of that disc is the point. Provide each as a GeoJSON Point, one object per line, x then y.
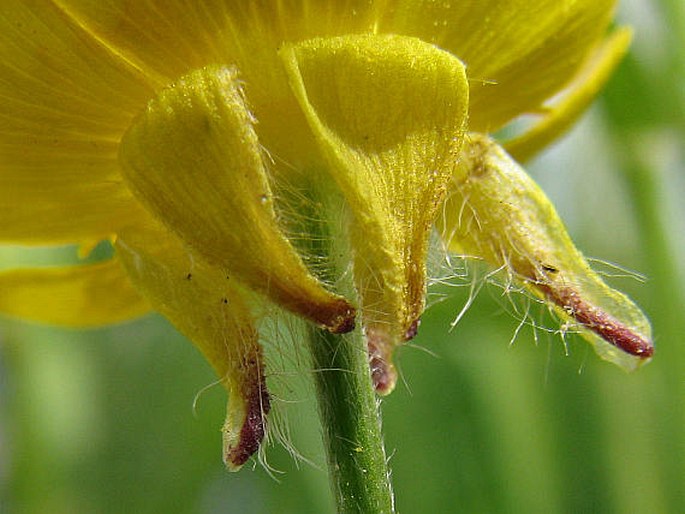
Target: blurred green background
{"type": "Point", "coordinates": [103, 421]}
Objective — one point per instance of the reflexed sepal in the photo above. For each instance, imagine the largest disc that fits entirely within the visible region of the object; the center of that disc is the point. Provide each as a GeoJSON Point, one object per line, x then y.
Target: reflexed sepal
{"type": "Point", "coordinates": [248, 405]}
{"type": "Point", "coordinates": [193, 158]}
{"type": "Point", "coordinates": [496, 212]}
{"type": "Point", "coordinates": [388, 114]}
{"type": "Point", "coordinates": [206, 305]}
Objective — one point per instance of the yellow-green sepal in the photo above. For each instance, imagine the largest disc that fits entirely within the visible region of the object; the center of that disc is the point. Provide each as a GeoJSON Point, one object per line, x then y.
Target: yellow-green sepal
{"type": "Point", "coordinates": [211, 309]}
{"type": "Point", "coordinates": [388, 114]}
{"type": "Point", "coordinates": [194, 160]}
{"type": "Point", "coordinates": [496, 212]}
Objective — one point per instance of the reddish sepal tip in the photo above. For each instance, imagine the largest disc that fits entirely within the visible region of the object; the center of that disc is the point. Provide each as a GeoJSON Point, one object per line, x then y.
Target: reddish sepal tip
{"type": "Point", "coordinates": [600, 322]}
{"type": "Point", "coordinates": [254, 427]}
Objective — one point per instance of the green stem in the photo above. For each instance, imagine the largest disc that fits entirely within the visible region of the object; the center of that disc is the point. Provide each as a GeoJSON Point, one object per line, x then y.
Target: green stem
{"type": "Point", "coordinates": [349, 412]}
{"type": "Point", "coordinates": [347, 401]}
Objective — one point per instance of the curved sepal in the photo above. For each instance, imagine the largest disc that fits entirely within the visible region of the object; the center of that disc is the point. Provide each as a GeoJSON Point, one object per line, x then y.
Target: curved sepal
{"type": "Point", "coordinates": [206, 305]}
{"type": "Point", "coordinates": [498, 213]}
{"type": "Point", "coordinates": [388, 113]}
{"type": "Point", "coordinates": [193, 158]}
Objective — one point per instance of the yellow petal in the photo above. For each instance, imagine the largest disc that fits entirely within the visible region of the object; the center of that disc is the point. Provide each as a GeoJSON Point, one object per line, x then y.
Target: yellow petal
{"type": "Point", "coordinates": [64, 102]}
{"type": "Point", "coordinates": [170, 38]}
{"type": "Point", "coordinates": [194, 160]}
{"type": "Point", "coordinates": [263, 26]}
{"type": "Point", "coordinates": [518, 52]}
{"type": "Point", "coordinates": [52, 202]}
{"type": "Point", "coordinates": [165, 38]}
{"type": "Point", "coordinates": [498, 213]}
{"type": "Point", "coordinates": [75, 296]}
{"type": "Point", "coordinates": [207, 306]}
{"type": "Point", "coordinates": [388, 113]}
{"type": "Point", "coordinates": [585, 87]}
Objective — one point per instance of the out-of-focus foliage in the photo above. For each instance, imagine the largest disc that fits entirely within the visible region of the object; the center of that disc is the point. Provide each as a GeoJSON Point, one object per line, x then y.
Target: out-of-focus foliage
{"type": "Point", "coordinates": [102, 421]}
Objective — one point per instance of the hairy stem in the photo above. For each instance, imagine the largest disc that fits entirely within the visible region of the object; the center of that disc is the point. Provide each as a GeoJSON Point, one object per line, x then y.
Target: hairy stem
{"type": "Point", "coordinates": [350, 418]}
{"type": "Point", "coordinates": [348, 405]}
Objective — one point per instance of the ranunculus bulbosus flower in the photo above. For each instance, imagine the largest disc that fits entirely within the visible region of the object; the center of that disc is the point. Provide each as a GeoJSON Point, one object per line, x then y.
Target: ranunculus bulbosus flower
{"type": "Point", "coordinates": [188, 137]}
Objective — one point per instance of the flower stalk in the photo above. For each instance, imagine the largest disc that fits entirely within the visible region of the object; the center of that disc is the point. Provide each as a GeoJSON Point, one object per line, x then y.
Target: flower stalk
{"type": "Point", "coordinates": [347, 399]}
{"type": "Point", "coordinates": [350, 419]}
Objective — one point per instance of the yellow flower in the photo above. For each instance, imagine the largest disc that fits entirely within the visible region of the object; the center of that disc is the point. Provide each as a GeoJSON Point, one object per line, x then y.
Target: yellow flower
{"type": "Point", "coordinates": [241, 152]}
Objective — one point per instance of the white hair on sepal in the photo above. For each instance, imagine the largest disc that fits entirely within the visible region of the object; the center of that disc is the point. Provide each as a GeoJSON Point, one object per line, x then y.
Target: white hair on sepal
{"type": "Point", "coordinates": [198, 396]}
{"type": "Point", "coordinates": [289, 371]}
{"type": "Point", "coordinates": [612, 270]}
{"type": "Point", "coordinates": [459, 271]}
